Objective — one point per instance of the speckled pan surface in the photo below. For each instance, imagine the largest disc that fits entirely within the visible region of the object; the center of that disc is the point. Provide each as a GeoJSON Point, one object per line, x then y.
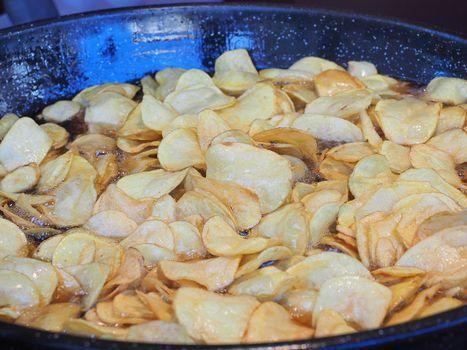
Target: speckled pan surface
{"type": "Point", "coordinates": [44, 62]}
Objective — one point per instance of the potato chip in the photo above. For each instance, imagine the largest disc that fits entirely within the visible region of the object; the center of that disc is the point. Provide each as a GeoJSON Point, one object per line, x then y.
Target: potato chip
{"type": "Point", "coordinates": [184, 121]}
{"type": "Point", "coordinates": [370, 173]}
{"type": "Point", "coordinates": [286, 75]}
{"type": "Point", "coordinates": [441, 221]}
{"type": "Point", "coordinates": [188, 152]}
{"type": "Point", "coordinates": [253, 262]}
{"type": "Point", "coordinates": [46, 248]}
{"type": "Point", "coordinates": [42, 274]}
{"type": "Point", "coordinates": [18, 291]}
{"type": "Point", "coordinates": [300, 94]}
{"type": "Point", "coordinates": [51, 318]}
{"type": "Point", "coordinates": [106, 313]}
{"type": "Point", "coordinates": [265, 284]}
{"type": "Point", "coordinates": [210, 124]}
{"type": "Point", "coordinates": [187, 240]}
{"type": "Point", "coordinates": [404, 292]}
{"type": "Point", "coordinates": [213, 318]}
{"type": "Point", "coordinates": [54, 172]}
{"type": "Point", "coordinates": [270, 322]}
{"type": "Point", "coordinates": [154, 254]}
{"type": "Point", "coordinates": [447, 90]}
{"type": "Point", "coordinates": [315, 270]}
{"type": "Point", "coordinates": [85, 328]}
{"type": "Point", "coordinates": [441, 255]}
{"type": "Point", "coordinates": [214, 274]}
{"type": "Point", "coordinates": [314, 65]}
{"type": "Point", "coordinates": [167, 79]}
{"type": "Point", "coordinates": [262, 171]}
{"type": "Point", "coordinates": [350, 152]}
{"type": "Point", "coordinates": [221, 239]}
{"type": "Point", "coordinates": [277, 121]}
{"type": "Point", "coordinates": [335, 170]}
{"type": "Point", "coordinates": [232, 136]}
{"type": "Point", "coordinates": [300, 170]}
{"type": "Point", "coordinates": [61, 111]}
{"type": "Point", "coordinates": [356, 299]}
{"type": "Point", "coordinates": [12, 240]}
{"type": "Point", "coordinates": [156, 115]}
{"type": "Point", "coordinates": [450, 118]}
{"type": "Point", "coordinates": [115, 199]}
{"type": "Point", "coordinates": [330, 323]}
{"type": "Point", "coordinates": [23, 144]}
{"type": "Point", "coordinates": [58, 134]}
{"type": "Point", "coordinates": [303, 141]}
{"type": "Point", "coordinates": [161, 332]}
{"type": "Point", "coordinates": [150, 184]}
{"type": "Point", "coordinates": [453, 142]}
{"type": "Point", "coordinates": [92, 278]}
{"type": "Point", "coordinates": [164, 209]}
{"type": "Point", "coordinates": [328, 128]}
{"type": "Point", "coordinates": [21, 179]}
{"type": "Point", "coordinates": [243, 202]}
{"type": "Point", "coordinates": [234, 71]}
{"type": "Point", "coordinates": [313, 201]}
{"type": "Point", "coordinates": [91, 144]}
{"type": "Point", "coordinates": [441, 305]}
{"type": "Point", "coordinates": [425, 156]}
{"type": "Point", "coordinates": [261, 101]}
{"type": "Point", "coordinates": [368, 130]}
{"type": "Point", "coordinates": [333, 81]}
{"type": "Point", "coordinates": [361, 69]}
{"type": "Point", "coordinates": [320, 222]}
{"type": "Point", "coordinates": [408, 121]}
{"type": "Point", "coordinates": [300, 303]}
{"type": "Point", "coordinates": [134, 127]}
{"type": "Point", "coordinates": [396, 155]}
{"type": "Point", "coordinates": [86, 95]}
{"type": "Point", "coordinates": [153, 232]}
{"type": "Point", "coordinates": [6, 122]}
{"type": "Point", "coordinates": [111, 223]}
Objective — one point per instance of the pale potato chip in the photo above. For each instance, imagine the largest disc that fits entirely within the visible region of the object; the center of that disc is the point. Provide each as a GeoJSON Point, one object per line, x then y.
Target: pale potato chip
{"type": "Point", "coordinates": [46, 248]}
{"type": "Point", "coordinates": [262, 171]}
{"type": "Point", "coordinates": [151, 184]}
{"type": "Point", "coordinates": [214, 274]}
{"type": "Point", "coordinates": [12, 240]}
{"type": "Point", "coordinates": [314, 200]}
{"type": "Point", "coordinates": [154, 254]}
{"type": "Point", "coordinates": [41, 273]}
{"type": "Point", "coordinates": [441, 305]}
{"type": "Point", "coordinates": [90, 144]}
{"type": "Point", "coordinates": [321, 221]}
{"type": "Point", "coordinates": [213, 318]}
{"type": "Point", "coordinates": [370, 173]}
{"type": "Point", "coordinates": [425, 156]}
{"type": "Point", "coordinates": [179, 150]}
{"type": "Point", "coordinates": [450, 118]}
{"type": "Point", "coordinates": [361, 69]}
{"type": "Point", "coordinates": [453, 142]}
{"type": "Point", "coordinates": [18, 291]}
{"type": "Point", "coordinates": [92, 278]}
{"type": "Point", "coordinates": [356, 299]}
{"type": "Point", "coordinates": [441, 221]}
{"type": "Point", "coordinates": [210, 124]}
{"type": "Point", "coordinates": [335, 170]}
{"type": "Point", "coordinates": [164, 209]}
{"type": "Point", "coordinates": [408, 121]}
{"type": "Point", "coordinates": [350, 152]}
{"type": "Point", "coordinates": [447, 90]}
{"type": "Point", "coordinates": [85, 96]}
{"type": "Point", "coordinates": [161, 332]}
{"type": "Point", "coordinates": [21, 179]}
{"type": "Point", "coordinates": [184, 121]}
{"type": "Point", "coordinates": [54, 172]}
{"type": "Point", "coordinates": [58, 134]}
{"type": "Point", "coordinates": [107, 112]}
{"type": "Point", "coordinates": [155, 114]}
{"type": "Point", "coordinates": [330, 323]}
{"type": "Point", "coordinates": [442, 255]}
{"type": "Point", "coordinates": [153, 232]}
{"type": "Point", "coordinates": [115, 199]}
{"type": "Point", "coordinates": [134, 127]}
{"type": "Point", "coordinates": [300, 94]}
{"type": "Point", "coordinates": [314, 65]}
{"type": "Point", "coordinates": [396, 155]}
{"type": "Point", "coordinates": [382, 85]}
{"type": "Point", "coordinates": [300, 170]}
{"type": "Point", "coordinates": [368, 130]}
{"type": "Point", "coordinates": [302, 189]}
{"type": "Point", "coordinates": [61, 111]}
{"type": "Point", "coordinates": [315, 270]}
{"type": "Point", "coordinates": [328, 128]}
{"type": "Point", "coordinates": [167, 79]}
{"type": "Point", "coordinates": [265, 284]}
{"type": "Point", "coordinates": [232, 136]}
{"type": "Point", "coordinates": [253, 262]}
{"type": "Point", "coordinates": [243, 202]}
{"type": "Point", "coordinates": [300, 303]}
{"type": "Point", "coordinates": [286, 75]}
{"type": "Point", "coordinates": [51, 318]}
{"type": "Point", "coordinates": [261, 101]}
{"type": "Point", "coordinates": [23, 144]}
{"type": "Point", "coordinates": [149, 85]}
{"type": "Point", "coordinates": [333, 81]}
{"type": "Point", "coordinates": [220, 239]}
{"type": "Point", "coordinates": [277, 121]}
{"type": "Point", "coordinates": [270, 322]}
{"type": "Point", "coordinates": [234, 71]}
{"type": "Point", "coordinates": [106, 313]}
{"type": "Point", "coordinates": [6, 122]}
{"type": "Point", "coordinates": [187, 240]}
{"type": "Point", "coordinates": [111, 223]}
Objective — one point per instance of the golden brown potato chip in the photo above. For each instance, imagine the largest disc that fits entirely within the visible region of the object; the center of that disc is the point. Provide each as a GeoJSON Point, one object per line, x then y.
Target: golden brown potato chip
{"type": "Point", "coordinates": [51, 318]}
{"type": "Point", "coordinates": [313, 201]}
{"type": "Point", "coordinates": [187, 240]}
{"type": "Point", "coordinates": [368, 130]}
{"type": "Point", "coordinates": [161, 332]}
{"type": "Point", "coordinates": [447, 90]}
{"type": "Point", "coordinates": [262, 171]}
{"type": "Point", "coordinates": [321, 221]}
{"type": "Point", "coordinates": [334, 81]}
{"type": "Point", "coordinates": [330, 323]}
{"type": "Point", "coordinates": [270, 322]}
{"type": "Point", "coordinates": [403, 292]}
{"type": "Point", "coordinates": [286, 75]}
{"type": "Point", "coordinates": [356, 299]}
{"type": "Point", "coordinates": [167, 79]}
{"type": "Point", "coordinates": [300, 94]}
{"type": "Point", "coordinates": [149, 85]}
{"type": "Point", "coordinates": [439, 222]}
{"type": "Point", "coordinates": [154, 254]}
{"type": "Point", "coordinates": [46, 248]}
{"type": "Point", "coordinates": [453, 142]}
{"type": "Point", "coordinates": [231, 136]}
{"type": "Point", "coordinates": [61, 111]}
{"type": "Point", "coordinates": [441, 305]}
{"type": "Point", "coordinates": [24, 143]}
{"type": "Point", "coordinates": [106, 313]}
{"type": "Point", "coordinates": [85, 328]}
{"type": "Point", "coordinates": [213, 318]}
{"type": "Point", "coordinates": [135, 129]}
{"type": "Point", "coordinates": [335, 170]}
{"type": "Point", "coordinates": [214, 274]}
{"type": "Point", "coordinates": [179, 150]}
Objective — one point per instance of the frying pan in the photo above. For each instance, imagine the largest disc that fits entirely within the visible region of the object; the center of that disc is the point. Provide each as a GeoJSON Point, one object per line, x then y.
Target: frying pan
{"type": "Point", "coordinates": [50, 60]}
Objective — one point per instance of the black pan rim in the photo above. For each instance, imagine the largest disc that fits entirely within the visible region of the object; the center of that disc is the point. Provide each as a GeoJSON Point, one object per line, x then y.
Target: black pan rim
{"type": "Point", "coordinates": [384, 335]}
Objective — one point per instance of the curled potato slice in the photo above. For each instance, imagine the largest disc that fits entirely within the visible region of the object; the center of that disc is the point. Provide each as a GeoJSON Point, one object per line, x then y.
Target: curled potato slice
{"type": "Point", "coordinates": [262, 171]}
{"type": "Point", "coordinates": [356, 299]}
{"type": "Point", "coordinates": [451, 118]}
{"type": "Point", "coordinates": [396, 155]}
{"type": "Point", "coordinates": [164, 209]}
{"type": "Point", "coordinates": [161, 332]}
{"type": "Point", "coordinates": [54, 172]}
{"type": "Point", "coordinates": [156, 115]}
{"type": "Point", "coordinates": [453, 142]}
{"type": "Point", "coordinates": [51, 318]}
{"type": "Point", "coordinates": [447, 90]}
{"type": "Point", "coordinates": [213, 318]}
{"type": "Point", "coordinates": [12, 239]}
{"type": "Point", "coordinates": [187, 240]}
{"type": "Point", "coordinates": [350, 152]}
{"type": "Point", "coordinates": [179, 150]}
{"type": "Point", "coordinates": [23, 144]}
{"type": "Point", "coordinates": [17, 290]}
{"type": "Point", "coordinates": [315, 270]}
{"type": "Point", "coordinates": [21, 179]}
{"type": "Point", "coordinates": [253, 262]}
{"type": "Point", "coordinates": [333, 81]}
{"type": "Point", "coordinates": [408, 121]}
{"type": "Point", "coordinates": [328, 128]}
{"type": "Point", "coordinates": [6, 122]}
{"type": "Point", "coordinates": [221, 239]}
{"type": "Point", "coordinates": [330, 323]}
{"type": "Point", "coordinates": [299, 303]}
{"type": "Point", "coordinates": [58, 134]}
{"type": "Point", "coordinates": [153, 232]}
{"type": "Point", "coordinates": [370, 173]}
{"type": "Point", "coordinates": [111, 223]}
{"type": "Point", "coordinates": [270, 322]}
{"type": "Point", "coordinates": [210, 124]}
{"type": "Point", "coordinates": [314, 65]}
{"type": "Point", "coordinates": [361, 69]}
